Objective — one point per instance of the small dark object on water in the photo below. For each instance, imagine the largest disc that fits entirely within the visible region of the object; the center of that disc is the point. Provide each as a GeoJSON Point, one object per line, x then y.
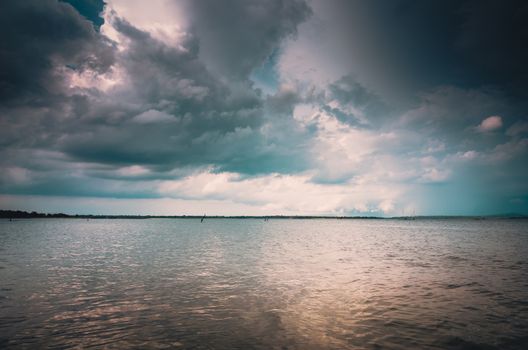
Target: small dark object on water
{"type": "Point", "coordinates": [202, 218]}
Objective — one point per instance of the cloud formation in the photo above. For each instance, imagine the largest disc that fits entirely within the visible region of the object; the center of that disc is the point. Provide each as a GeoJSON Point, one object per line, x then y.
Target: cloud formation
{"type": "Point", "coordinates": [490, 124]}
{"type": "Point", "coordinates": [281, 106]}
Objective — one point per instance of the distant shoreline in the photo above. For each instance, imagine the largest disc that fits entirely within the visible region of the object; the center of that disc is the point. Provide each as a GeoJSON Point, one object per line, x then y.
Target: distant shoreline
{"type": "Point", "coordinates": [18, 214]}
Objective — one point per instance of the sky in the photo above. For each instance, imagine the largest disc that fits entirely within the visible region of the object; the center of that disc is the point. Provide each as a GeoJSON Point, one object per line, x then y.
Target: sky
{"type": "Point", "coordinates": [252, 107]}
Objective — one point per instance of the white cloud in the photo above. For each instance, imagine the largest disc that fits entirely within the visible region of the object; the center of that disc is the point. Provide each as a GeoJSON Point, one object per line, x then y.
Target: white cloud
{"type": "Point", "coordinates": [89, 79]}
{"type": "Point", "coordinates": [163, 19]}
{"type": "Point", "coordinates": [284, 193]}
{"type": "Point", "coordinates": [491, 123]}
{"type": "Point", "coordinates": [153, 116]}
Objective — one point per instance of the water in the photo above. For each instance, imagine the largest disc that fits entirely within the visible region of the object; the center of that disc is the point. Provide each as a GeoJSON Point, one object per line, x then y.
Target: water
{"type": "Point", "coordinates": [250, 284]}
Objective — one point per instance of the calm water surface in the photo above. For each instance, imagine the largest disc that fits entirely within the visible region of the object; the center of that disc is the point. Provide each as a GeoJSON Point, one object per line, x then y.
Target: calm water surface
{"type": "Point", "coordinates": [250, 284]}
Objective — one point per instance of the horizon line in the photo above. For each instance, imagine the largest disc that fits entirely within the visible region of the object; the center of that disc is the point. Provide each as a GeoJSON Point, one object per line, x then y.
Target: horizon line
{"type": "Point", "coordinates": [21, 214]}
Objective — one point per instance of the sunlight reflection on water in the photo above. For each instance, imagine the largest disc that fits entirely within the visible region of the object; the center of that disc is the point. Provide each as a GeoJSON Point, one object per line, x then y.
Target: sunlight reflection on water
{"type": "Point", "coordinates": [295, 284]}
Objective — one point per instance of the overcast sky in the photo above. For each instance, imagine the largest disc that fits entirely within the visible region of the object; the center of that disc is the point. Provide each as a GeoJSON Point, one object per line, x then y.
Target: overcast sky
{"type": "Point", "coordinates": [246, 107]}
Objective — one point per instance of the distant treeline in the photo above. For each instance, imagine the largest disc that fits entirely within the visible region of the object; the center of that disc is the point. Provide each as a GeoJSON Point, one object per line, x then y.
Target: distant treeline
{"type": "Point", "coordinates": [18, 214]}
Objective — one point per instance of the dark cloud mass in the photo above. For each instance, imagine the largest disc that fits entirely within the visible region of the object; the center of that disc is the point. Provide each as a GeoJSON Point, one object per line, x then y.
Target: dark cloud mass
{"type": "Point", "coordinates": [38, 39]}
{"type": "Point", "coordinates": [208, 121]}
{"type": "Point", "coordinates": [389, 101]}
{"type": "Point", "coordinates": [239, 35]}
{"type": "Point", "coordinates": [493, 37]}
{"type": "Point", "coordinates": [211, 121]}
{"type": "Point", "coordinates": [404, 45]}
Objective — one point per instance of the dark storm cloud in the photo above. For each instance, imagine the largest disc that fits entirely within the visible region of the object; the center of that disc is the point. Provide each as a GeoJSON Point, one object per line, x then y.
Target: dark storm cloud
{"type": "Point", "coordinates": [493, 38]}
{"type": "Point", "coordinates": [403, 47]}
{"type": "Point", "coordinates": [38, 38]}
{"type": "Point", "coordinates": [41, 41]}
{"type": "Point", "coordinates": [172, 112]}
{"type": "Point", "coordinates": [236, 36]}
{"type": "Point", "coordinates": [207, 121]}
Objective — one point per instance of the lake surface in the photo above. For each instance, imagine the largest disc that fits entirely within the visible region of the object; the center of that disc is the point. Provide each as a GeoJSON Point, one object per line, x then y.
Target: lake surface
{"type": "Point", "coordinates": [250, 284]}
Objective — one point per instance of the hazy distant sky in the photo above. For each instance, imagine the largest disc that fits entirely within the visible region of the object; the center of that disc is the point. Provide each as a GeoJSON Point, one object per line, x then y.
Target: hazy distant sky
{"type": "Point", "coordinates": [264, 107]}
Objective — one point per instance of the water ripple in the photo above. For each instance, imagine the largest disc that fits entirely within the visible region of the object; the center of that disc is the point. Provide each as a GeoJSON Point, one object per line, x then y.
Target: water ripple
{"type": "Point", "coordinates": [246, 284]}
